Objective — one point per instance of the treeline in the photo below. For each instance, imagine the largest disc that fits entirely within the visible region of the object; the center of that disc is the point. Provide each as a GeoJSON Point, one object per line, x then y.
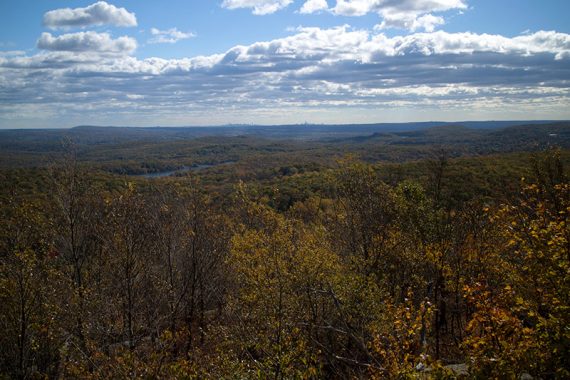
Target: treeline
{"type": "Point", "coordinates": [370, 281]}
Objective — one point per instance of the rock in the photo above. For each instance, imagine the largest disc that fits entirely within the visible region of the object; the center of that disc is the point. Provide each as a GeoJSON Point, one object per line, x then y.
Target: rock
{"type": "Point", "coordinates": [460, 369]}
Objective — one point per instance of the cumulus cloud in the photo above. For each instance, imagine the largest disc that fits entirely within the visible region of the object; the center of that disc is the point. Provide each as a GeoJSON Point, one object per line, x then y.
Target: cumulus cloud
{"type": "Point", "coordinates": [542, 42]}
{"type": "Point", "coordinates": [313, 71]}
{"type": "Point", "coordinates": [169, 36]}
{"type": "Point", "coordinates": [362, 7]}
{"type": "Point", "coordinates": [410, 22]}
{"type": "Point", "coordinates": [313, 6]}
{"type": "Point", "coordinates": [100, 13]}
{"type": "Point", "coordinates": [403, 14]}
{"type": "Point", "coordinates": [411, 15]}
{"type": "Point", "coordinates": [92, 42]}
{"type": "Point", "coordinates": [259, 7]}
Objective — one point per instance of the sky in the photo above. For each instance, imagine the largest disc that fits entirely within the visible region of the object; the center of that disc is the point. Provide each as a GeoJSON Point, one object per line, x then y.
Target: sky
{"type": "Point", "coordinates": [216, 62]}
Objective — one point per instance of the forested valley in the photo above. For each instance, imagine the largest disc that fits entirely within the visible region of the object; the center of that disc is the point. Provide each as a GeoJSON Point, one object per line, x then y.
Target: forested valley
{"type": "Point", "coordinates": [389, 256]}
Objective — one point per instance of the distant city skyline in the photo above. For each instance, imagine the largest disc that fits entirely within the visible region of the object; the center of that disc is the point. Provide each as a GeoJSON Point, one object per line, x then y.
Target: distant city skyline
{"type": "Point", "coordinates": [184, 63]}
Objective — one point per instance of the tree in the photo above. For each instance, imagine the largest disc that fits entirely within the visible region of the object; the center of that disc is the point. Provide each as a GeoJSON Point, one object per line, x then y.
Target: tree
{"type": "Point", "coordinates": [30, 335]}
{"type": "Point", "coordinates": [521, 324]}
{"type": "Point", "coordinates": [283, 278]}
{"type": "Point", "coordinates": [129, 250]}
{"type": "Point", "coordinates": [77, 215]}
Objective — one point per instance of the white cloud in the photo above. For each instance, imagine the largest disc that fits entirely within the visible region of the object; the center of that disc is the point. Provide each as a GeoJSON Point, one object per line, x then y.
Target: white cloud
{"type": "Point", "coordinates": [313, 6]}
{"type": "Point", "coordinates": [542, 42]}
{"type": "Point", "coordinates": [411, 22]}
{"type": "Point", "coordinates": [91, 42]}
{"type": "Point", "coordinates": [401, 14]}
{"type": "Point", "coordinates": [100, 13]}
{"type": "Point", "coordinates": [411, 15]}
{"type": "Point", "coordinates": [169, 36]}
{"type": "Point", "coordinates": [341, 72]}
{"type": "Point", "coordinates": [417, 7]}
{"type": "Point", "coordinates": [12, 53]}
{"type": "Point", "coordinates": [260, 7]}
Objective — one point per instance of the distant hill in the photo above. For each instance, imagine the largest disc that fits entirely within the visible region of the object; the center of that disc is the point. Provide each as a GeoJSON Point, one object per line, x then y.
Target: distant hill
{"type": "Point", "coordinates": [134, 150]}
{"type": "Point", "coordinates": [41, 139]}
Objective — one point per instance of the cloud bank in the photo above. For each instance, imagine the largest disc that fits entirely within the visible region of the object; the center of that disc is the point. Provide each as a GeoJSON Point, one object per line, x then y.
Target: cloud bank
{"type": "Point", "coordinates": [325, 75]}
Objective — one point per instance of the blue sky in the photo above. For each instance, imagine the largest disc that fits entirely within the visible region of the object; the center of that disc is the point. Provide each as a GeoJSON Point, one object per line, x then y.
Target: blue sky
{"type": "Point", "coordinates": [180, 62]}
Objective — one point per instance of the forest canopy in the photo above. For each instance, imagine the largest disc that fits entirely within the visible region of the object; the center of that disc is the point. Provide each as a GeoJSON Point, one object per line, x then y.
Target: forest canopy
{"type": "Point", "coordinates": [347, 270]}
